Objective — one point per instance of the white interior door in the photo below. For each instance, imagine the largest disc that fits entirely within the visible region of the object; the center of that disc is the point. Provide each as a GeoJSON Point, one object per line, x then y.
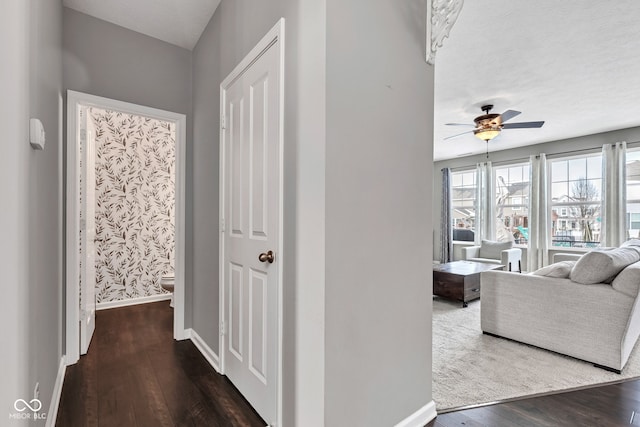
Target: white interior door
{"type": "Point", "coordinates": [251, 212]}
{"type": "Point", "coordinates": [88, 227]}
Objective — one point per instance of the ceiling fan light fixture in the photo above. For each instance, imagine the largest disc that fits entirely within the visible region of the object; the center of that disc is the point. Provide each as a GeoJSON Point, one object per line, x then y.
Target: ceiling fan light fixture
{"type": "Point", "coordinates": [489, 125]}
{"type": "Point", "coordinates": [487, 134]}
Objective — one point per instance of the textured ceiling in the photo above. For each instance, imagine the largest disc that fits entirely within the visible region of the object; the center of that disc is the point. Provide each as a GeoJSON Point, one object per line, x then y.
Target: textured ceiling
{"type": "Point", "coordinates": [177, 22]}
{"type": "Point", "coordinates": [575, 65]}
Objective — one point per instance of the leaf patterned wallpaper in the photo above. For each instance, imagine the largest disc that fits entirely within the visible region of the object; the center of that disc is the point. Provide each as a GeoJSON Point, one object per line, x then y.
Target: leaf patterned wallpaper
{"type": "Point", "coordinates": [135, 204]}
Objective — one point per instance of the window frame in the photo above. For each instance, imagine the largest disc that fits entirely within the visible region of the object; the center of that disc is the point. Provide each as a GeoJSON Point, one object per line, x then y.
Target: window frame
{"type": "Point", "coordinates": [629, 202]}
{"type": "Point", "coordinates": [525, 205]}
{"type": "Point", "coordinates": [458, 208]}
{"type": "Point", "coordinates": [564, 209]}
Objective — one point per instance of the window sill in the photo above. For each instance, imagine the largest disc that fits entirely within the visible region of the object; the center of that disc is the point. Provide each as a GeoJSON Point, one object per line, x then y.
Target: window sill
{"type": "Point", "coordinates": [569, 249]}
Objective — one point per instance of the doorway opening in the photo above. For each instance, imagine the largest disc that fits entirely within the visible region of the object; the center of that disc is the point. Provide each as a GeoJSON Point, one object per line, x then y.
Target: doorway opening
{"type": "Point", "coordinates": [125, 211]}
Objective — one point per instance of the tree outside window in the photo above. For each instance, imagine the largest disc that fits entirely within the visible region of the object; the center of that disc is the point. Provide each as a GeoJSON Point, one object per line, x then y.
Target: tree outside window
{"type": "Point", "coordinates": [576, 201]}
{"type": "Point", "coordinates": [584, 192]}
{"type": "Point", "coordinates": [512, 203]}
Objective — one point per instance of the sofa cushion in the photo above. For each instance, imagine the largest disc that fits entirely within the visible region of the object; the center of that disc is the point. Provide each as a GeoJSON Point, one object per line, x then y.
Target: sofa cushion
{"type": "Point", "coordinates": [628, 280]}
{"type": "Point", "coordinates": [492, 250]}
{"type": "Point", "coordinates": [600, 266]}
{"type": "Point", "coordinates": [560, 270]}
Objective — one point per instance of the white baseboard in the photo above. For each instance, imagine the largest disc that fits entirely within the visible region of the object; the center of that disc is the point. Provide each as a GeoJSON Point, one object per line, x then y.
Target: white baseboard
{"type": "Point", "coordinates": [132, 301]}
{"type": "Point", "coordinates": [206, 351]}
{"type": "Point", "coordinates": [421, 417]}
{"type": "Point", "coordinates": [57, 393]}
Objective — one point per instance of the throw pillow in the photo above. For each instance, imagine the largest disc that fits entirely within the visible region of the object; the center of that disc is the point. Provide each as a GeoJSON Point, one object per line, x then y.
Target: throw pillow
{"type": "Point", "coordinates": [631, 242]}
{"type": "Point", "coordinates": [600, 266]}
{"type": "Point", "coordinates": [492, 250]}
{"type": "Point", "coordinates": [628, 280]}
{"type": "Point", "coordinates": [560, 270]}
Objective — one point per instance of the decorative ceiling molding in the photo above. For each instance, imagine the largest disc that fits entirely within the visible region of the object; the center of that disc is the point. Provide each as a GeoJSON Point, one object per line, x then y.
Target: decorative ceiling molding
{"type": "Point", "coordinates": [441, 15]}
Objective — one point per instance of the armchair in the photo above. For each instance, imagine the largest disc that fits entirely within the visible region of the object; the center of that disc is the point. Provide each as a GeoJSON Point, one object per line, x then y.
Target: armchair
{"type": "Point", "coordinates": [495, 253]}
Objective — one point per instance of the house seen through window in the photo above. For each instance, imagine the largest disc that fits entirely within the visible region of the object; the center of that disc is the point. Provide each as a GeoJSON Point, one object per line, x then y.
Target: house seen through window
{"type": "Point", "coordinates": [633, 194]}
{"type": "Point", "coordinates": [463, 199]}
{"type": "Point", "coordinates": [576, 201]}
{"type": "Point", "coordinates": [512, 203]}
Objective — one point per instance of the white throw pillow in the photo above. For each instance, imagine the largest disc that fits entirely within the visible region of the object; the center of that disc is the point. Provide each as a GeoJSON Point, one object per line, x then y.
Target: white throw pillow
{"type": "Point", "coordinates": [631, 242]}
{"type": "Point", "coordinates": [628, 280]}
{"type": "Point", "coordinates": [493, 250]}
{"type": "Point", "coordinates": [560, 270]}
{"type": "Point", "coordinates": [601, 266]}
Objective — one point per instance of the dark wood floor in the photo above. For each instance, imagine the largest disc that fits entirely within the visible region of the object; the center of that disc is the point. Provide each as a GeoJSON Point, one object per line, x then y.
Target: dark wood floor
{"type": "Point", "coordinates": [135, 374]}
{"type": "Point", "coordinates": [607, 406]}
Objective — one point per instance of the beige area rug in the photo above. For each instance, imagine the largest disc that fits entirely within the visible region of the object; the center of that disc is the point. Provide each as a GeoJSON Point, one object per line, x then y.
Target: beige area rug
{"type": "Point", "coordinates": [470, 368]}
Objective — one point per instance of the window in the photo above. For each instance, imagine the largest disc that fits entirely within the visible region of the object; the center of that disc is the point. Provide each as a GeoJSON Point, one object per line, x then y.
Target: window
{"type": "Point", "coordinates": [576, 189]}
{"type": "Point", "coordinates": [512, 203]}
{"type": "Point", "coordinates": [633, 194]}
{"type": "Point", "coordinates": [463, 199]}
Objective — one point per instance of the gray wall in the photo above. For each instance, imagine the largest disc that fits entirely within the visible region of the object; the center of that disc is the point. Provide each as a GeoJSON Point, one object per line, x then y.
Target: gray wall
{"type": "Point", "coordinates": [104, 59]}
{"type": "Point", "coordinates": [378, 217]}
{"type": "Point", "coordinates": [376, 320]}
{"type": "Point", "coordinates": [371, 184]}
{"type": "Point", "coordinates": [107, 60]}
{"type": "Point", "coordinates": [522, 154]}
{"type": "Point", "coordinates": [235, 28]}
{"type": "Point", "coordinates": [14, 176]}
{"type": "Point", "coordinates": [206, 112]}
{"type": "Point", "coordinates": [32, 240]}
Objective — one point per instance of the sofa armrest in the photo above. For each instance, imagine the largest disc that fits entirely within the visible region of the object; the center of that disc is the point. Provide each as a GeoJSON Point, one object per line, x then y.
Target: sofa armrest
{"type": "Point", "coordinates": [510, 258]}
{"type": "Point", "coordinates": [558, 315]}
{"type": "Point", "coordinates": [471, 252]}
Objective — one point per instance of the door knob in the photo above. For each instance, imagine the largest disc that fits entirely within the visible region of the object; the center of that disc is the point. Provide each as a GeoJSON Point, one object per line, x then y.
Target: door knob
{"type": "Point", "coordinates": [267, 257]}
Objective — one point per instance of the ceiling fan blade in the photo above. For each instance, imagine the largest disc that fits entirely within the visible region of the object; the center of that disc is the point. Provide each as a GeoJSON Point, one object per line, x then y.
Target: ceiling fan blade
{"type": "Point", "coordinates": [453, 136]}
{"type": "Point", "coordinates": [509, 114]}
{"type": "Point", "coordinates": [458, 124]}
{"type": "Point", "coordinates": [523, 125]}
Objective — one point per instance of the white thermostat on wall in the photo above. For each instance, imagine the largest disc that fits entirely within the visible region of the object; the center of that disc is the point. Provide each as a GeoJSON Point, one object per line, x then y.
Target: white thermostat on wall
{"type": "Point", "coordinates": [36, 134]}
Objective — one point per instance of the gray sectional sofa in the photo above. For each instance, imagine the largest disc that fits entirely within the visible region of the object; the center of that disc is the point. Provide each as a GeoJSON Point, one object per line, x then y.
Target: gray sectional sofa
{"type": "Point", "coordinates": [588, 309]}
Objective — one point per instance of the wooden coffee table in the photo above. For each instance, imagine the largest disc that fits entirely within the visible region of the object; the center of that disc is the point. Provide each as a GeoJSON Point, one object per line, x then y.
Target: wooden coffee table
{"type": "Point", "coordinates": [460, 280]}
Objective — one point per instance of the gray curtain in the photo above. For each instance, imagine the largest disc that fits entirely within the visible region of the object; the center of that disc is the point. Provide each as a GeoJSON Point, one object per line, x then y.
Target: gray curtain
{"type": "Point", "coordinates": [485, 225]}
{"type": "Point", "coordinates": [539, 220]}
{"type": "Point", "coordinates": [446, 228]}
{"type": "Point", "coordinates": [614, 194]}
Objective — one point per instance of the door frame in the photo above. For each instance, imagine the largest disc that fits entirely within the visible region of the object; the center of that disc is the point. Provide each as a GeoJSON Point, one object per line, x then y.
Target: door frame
{"type": "Point", "coordinates": [76, 100]}
{"type": "Point", "coordinates": [275, 35]}
{"type": "Point", "coordinates": [87, 242]}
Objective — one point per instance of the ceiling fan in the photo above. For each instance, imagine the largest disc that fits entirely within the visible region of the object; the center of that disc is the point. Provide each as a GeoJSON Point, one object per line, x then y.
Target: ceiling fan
{"type": "Point", "coordinates": [489, 125]}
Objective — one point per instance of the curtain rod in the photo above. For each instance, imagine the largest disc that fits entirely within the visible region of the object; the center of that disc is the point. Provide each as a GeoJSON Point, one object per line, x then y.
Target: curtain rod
{"type": "Point", "coordinates": [549, 156]}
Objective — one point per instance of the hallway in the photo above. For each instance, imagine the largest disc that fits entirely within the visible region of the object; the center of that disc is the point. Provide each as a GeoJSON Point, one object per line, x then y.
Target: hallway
{"type": "Point", "coordinates": [135, 374]}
